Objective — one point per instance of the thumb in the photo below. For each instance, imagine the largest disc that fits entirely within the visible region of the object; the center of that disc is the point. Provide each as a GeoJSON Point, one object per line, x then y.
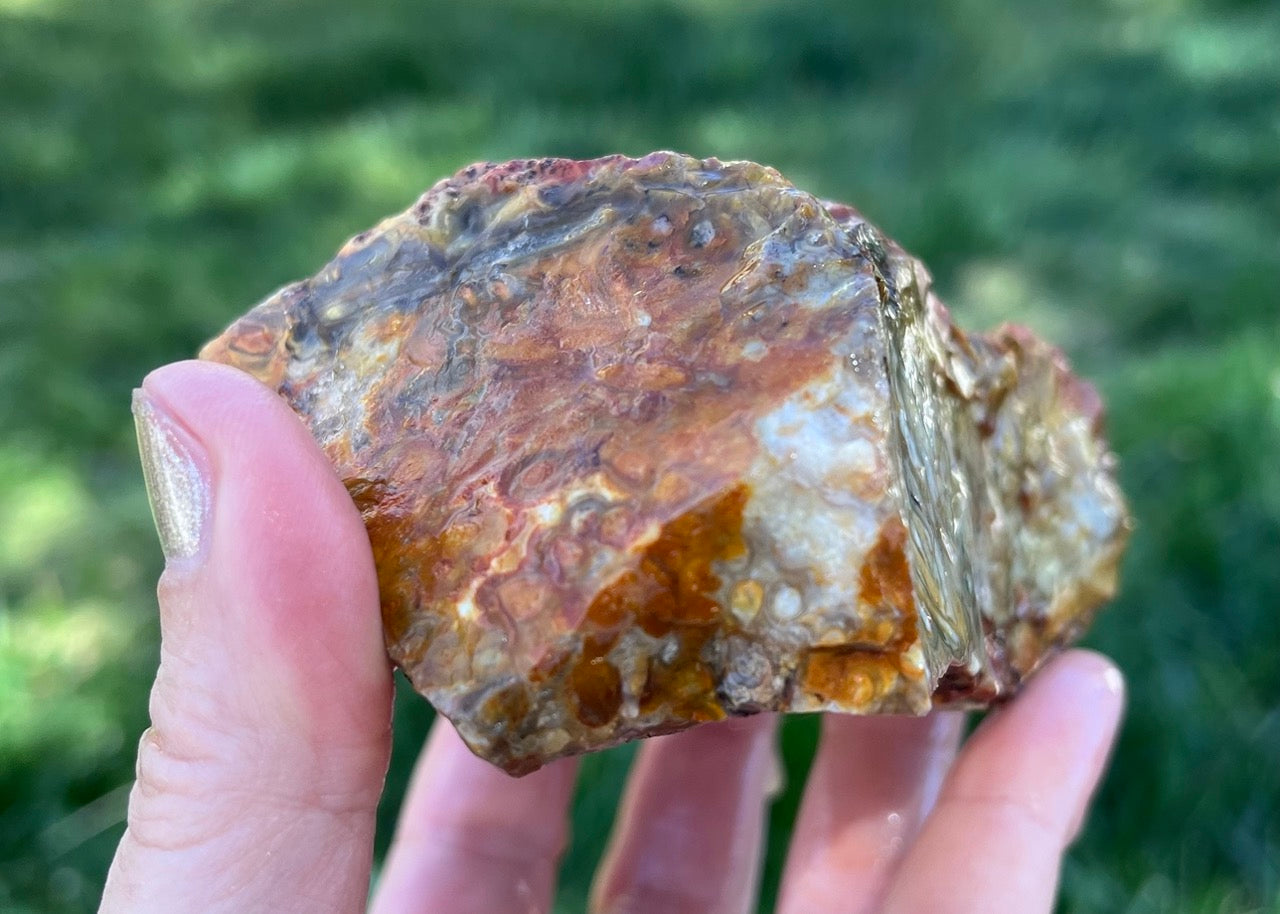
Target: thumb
{"type": "Point", "coordinates": [270, 715]}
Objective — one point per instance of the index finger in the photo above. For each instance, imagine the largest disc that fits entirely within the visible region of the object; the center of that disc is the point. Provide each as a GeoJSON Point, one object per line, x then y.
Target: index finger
{"type": "Point", "coordinates": [473, 840]}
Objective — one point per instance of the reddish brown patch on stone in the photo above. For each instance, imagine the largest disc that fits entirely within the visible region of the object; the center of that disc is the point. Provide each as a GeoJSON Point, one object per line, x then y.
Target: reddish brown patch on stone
{"type": "Point", "coordinates": [506, 705]}
{"type": "Point", "coordinates": [885, 580]}
{"type": "Point", "coordinates": [595, 691]}
{"type": "Point", "coordinates": [387, 527]}
{"type": "Point", "coordinates": [671, 593]}
{"type": "Point", "coordinates": [859, 674]}
{"type": "Point", "coordinates": [253, 344]}
{"type": "Point", "coordinates": [849, 676]}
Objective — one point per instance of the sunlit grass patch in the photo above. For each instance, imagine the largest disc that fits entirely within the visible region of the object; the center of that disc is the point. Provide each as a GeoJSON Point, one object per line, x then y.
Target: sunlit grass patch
{"type": "Point", "coordinates": [49, 657]}
{"type": "Point", "coordinates": [41, 504]}
{"type": "Point", "coordinates": [1108, 174]}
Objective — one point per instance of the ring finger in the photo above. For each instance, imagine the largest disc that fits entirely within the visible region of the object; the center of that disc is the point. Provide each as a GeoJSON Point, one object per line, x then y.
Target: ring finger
{"type": "Point", "coordinates": [871, 785]}
{"type": "Point", "coordinates": [689, 834]}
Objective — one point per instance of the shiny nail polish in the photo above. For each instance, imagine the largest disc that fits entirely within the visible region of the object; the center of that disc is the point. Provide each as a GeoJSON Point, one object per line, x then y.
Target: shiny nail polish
{"type": "Point", "coordinates": [177, 477]}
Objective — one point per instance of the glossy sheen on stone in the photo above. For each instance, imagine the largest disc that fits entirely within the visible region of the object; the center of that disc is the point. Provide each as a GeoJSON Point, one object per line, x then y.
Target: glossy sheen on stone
{"type": "Point", "coordinates": [642, 443]}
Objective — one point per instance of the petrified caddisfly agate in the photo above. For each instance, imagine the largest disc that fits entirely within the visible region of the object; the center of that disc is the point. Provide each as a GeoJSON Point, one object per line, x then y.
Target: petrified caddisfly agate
{"type": "Point", "coordinates": [642, 443]}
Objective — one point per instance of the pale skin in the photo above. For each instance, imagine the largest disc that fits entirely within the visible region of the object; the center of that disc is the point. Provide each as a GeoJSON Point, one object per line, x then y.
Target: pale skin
{"type": "Point", "coordinates": [259, 777]}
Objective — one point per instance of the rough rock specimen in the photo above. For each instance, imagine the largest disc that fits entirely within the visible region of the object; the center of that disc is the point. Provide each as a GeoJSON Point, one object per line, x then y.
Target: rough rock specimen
{"type": "Point", "coordinates": [647, 442]}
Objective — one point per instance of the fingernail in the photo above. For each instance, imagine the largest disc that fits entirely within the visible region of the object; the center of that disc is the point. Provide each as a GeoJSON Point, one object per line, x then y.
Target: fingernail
{"type": "Point", "coordinates": [775, 779]}
{"type": "Point", "coordinates": [1107, 680]}
{"type": "Point", "coordinates": [1113, 680]}
{"type": "Point", "coordinates": [176, 473]}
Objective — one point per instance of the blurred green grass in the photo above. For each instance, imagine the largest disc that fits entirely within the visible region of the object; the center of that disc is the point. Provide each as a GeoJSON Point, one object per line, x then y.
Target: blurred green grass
{"type": "Point", "coordinates": [1106, 172]}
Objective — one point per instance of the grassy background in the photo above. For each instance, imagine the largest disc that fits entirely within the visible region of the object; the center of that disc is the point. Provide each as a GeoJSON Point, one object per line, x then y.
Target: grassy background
{"type": "Point", "coordinates": [1106, 172]}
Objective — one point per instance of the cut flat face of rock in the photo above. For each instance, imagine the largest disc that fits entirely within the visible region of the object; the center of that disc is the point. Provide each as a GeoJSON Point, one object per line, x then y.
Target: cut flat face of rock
{"type": "Point", "coordinates": [642, 443]}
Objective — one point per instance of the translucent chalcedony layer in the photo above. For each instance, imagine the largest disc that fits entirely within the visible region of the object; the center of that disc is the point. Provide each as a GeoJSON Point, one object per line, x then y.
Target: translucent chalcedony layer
{"type": "Point", "coordinates": [642, 443]}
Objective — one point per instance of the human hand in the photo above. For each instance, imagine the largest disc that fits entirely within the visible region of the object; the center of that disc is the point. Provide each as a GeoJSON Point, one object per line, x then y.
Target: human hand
{"type": "Point", "coordinates": [260, 775]}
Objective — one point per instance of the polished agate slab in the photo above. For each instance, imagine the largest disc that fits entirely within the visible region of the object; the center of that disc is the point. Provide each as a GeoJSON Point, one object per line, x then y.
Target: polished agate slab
{"type": "Point", "coordinates": [642, 443]}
